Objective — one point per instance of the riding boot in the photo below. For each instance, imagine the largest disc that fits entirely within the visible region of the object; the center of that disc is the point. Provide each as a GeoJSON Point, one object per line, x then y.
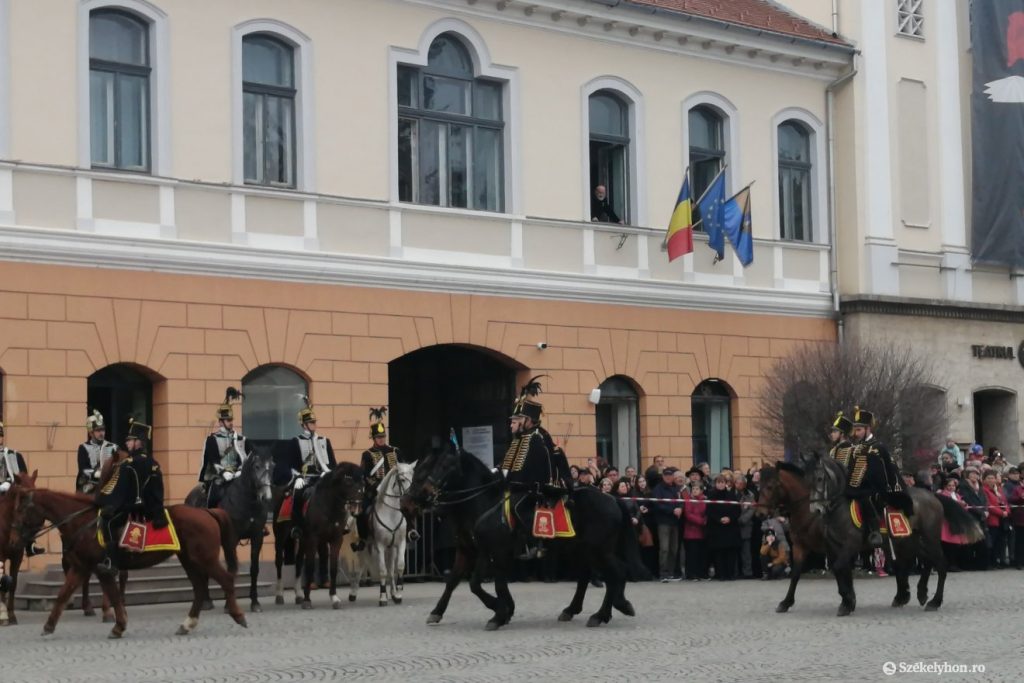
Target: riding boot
{"type": "Point", "coordinates": [871, 517]}
{"type": "Point", "coordinates": [108, 565]}
{"type": "Point", "coordinates": [298, 502]}
{"type": "Point", "coordinates": [363, 529]}
{"type": "Point", "coordinates": [5, 583]}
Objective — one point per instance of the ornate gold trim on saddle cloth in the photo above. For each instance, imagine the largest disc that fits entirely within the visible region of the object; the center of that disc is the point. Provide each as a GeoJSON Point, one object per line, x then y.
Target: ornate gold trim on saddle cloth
{"type": "Point", "coordinates": [899, 525]}
{"type": "Point", "coordinates": [552, 522]}
{"type": "Point", "coordinates": [139, 537]}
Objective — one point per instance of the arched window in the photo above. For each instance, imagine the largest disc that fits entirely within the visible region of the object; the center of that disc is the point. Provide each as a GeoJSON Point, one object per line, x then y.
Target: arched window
{"type": "Point", "coordinates": [450, 131]}
{"type": "Point", "coordinates": [712, 417]}
{"type": "Point", "coordinates": [795, 166]}
{"type": "Point", "coordinates": [707, 147]}
{"type": "Point", "coordinates": [268, 117]}
{"type": "Point", "coordinates": [618, 423]}
{"type": "Point", "coordinates": [120, 392]}
{"type": "Point", "coordinates": [609, 156]}
{"type": "Point", "coordinates": [119, 85]}
{"type": "Point", "coordinates": [273, 398]}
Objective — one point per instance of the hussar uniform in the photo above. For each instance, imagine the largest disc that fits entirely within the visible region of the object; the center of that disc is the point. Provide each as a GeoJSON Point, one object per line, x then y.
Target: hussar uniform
{"type": "Point", "coordinates": [224, 453]}
{"type": "Point", "coordinates": [376, 462]}
{"type": "Point", "coordinates": [842, 451]}
{"type": "Point", "coordinates": [93, 455]}
{"type": "Point", "coordinates": [12, 463]}
{"type": "Point", "coordinates": [872, 478]}
{"type": "Point", "coordinates": [310, 456]}
{"type": "Point", "coordinates": [135, 486]}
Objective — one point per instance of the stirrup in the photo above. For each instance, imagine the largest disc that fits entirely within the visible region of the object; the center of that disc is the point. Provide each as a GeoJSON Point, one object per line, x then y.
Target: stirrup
{"type": "Point", "coordinates": [107, 566]}
{"type": "Point", "coordinates": [413, 535]}
{"type": "Point", "coordinates": [532, 553]}
{"type": "Point", "coordinates": [33, 550]}
{"type": "Point", "coordinates": [875, 539]}
{"type": "Point", "coordinates": [358, 546]}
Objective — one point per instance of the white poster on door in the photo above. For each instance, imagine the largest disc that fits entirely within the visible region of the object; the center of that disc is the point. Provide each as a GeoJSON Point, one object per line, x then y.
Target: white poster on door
{"type": "Point", "coordinates": [480, 442]}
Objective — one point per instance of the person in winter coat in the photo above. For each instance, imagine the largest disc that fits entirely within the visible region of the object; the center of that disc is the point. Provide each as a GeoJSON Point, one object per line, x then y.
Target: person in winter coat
{"type": "Point", "coordinates": [695, 523]}
{"type": "Point", "coordinates": [997, 520]}
{"type": "Point", "coordinates": [1015, 498]}
{"type": "Point", "coordinates": [666, 516]}
{"type": "Point", "coordinates": [723, 529]}
{"type": "Point", "coordinates": [976, 555]}
{"type": "Point", "coordinates": [774, 557]}
{"type": "Point", "coordinates": [746, 522]}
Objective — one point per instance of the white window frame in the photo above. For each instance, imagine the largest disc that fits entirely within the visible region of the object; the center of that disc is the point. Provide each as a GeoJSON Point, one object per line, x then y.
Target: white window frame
{"type": "Point", "coordinates": [483, 67]}
{"type": "Point", "coordinates": [910, 18]}
{"type": "Point", "coordinates": [819, 181]}
{"type": "Point", "coordinates": [159, 82]}
{"type": "Point", "coordinates": [305, 151]}
{"type": "Point", "coordinates": [5, 80]}
{"type": "Point", "coordinates": [730, 133]}
{"type": "Point", "coordinates": [634, 100]}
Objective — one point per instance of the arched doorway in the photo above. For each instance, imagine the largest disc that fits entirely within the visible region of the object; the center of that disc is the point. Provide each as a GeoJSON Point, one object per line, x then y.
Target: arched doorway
{"type": "Point", "coordinates": [712, 424]}
{"type": "Point", "coordinates": [618, 423]}
{"type": "Point", "coordinates": [451, 386]}
{"type": "Point", "coordinates": [995, 420]}
{"type": "Point", "coordinates": [120, 391]}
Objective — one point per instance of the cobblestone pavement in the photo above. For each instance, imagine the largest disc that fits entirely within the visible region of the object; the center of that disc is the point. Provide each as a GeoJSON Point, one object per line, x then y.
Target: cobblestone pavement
{"type": "Point", "coordinates": [697, 632]}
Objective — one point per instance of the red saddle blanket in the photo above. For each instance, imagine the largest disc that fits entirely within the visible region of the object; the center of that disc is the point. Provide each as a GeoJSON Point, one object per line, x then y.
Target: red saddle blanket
{"type": "Point", "coordinates": [285, 513]}
{"type": "Point", "coordinates": [139, 536]}
{"type": "Point", "coordinates": [895, 522]}
{"type": "Point", "coordinates": [548, 522]}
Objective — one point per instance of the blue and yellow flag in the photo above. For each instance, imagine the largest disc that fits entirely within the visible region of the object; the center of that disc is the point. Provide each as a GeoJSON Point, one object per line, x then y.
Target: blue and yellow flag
{"type": "Point", "coordinates": [736, 224]}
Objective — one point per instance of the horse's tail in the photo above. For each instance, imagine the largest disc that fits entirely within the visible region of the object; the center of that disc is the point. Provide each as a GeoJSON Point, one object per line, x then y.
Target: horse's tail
{"type": "Point", "coordinates": [629, 547]}
{"type": "Point", "coordinates": [228, 539]}
{"type": "Point", "coordinates": [961, 522]}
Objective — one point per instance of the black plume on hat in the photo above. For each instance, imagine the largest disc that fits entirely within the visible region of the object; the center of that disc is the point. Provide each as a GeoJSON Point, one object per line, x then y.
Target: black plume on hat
{"type": "Point", "coordinates": [532, 388]}
{"type": "Point", "coordinates": [377, 414]}
{"type": "Point", "coordinates": [233, 394]}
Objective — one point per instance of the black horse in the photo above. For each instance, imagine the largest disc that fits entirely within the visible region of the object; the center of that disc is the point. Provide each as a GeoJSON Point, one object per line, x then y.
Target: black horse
{"type": "Point", "coordinates": [247, 501]}
{"type": "Point", "coordinates": [471, 498]}
{"type": "Point", "coordinates": [325, 522]}
{"type": "Point", "coordinates": [826, 479]}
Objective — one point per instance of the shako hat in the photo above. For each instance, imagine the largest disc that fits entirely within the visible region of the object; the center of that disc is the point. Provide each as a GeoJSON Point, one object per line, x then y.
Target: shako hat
{"type": "Point", "coordinates": [527, 405]}
{"type": "Point", "coordinates": [95, 421]}
{"type": "Point", "coordinates": [224, 410]}
{"type": "Point", "coordinates": [137, 430]}
{"type": "Point", "coordinates": [842, 423]}
{"type": "Point", "coordinates": [306, 414]}
{"type": "Point", "coordinates": [377, 426]}
{"type": "Point", "coordinates": [862, 418]}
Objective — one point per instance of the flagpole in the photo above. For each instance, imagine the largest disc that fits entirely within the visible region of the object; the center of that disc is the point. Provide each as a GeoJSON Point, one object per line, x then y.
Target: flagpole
{"type": "Point", "coordinates": [711, 184]}
{"type": "Point", "coordinates": [747, 187]}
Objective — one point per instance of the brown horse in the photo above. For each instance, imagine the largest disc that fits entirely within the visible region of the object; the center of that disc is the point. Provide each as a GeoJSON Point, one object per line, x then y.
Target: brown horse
{"type": "Point", "coordinates": [10, 551]}
{"type": "Point", "coordinates": [202, 535]}
{"type": "Point", "coordinates": [324, 524]}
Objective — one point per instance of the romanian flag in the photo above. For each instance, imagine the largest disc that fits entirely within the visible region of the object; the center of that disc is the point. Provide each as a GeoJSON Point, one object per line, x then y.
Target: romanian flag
{"type": "Point", "coordinates": [680, 226]}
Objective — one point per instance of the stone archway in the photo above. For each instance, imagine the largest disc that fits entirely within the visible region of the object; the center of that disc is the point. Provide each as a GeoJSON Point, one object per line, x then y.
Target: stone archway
{"type": "Point", "coordinates": [121, 391]}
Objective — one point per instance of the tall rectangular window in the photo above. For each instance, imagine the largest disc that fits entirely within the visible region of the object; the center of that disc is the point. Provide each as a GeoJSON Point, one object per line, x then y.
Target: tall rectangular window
{"type": "Point", "coordinates": [609, 158]}
{"type": "Point", "coordinates": [795, 182]}
{"type": "Point", "coordinates": [119, 83]}
{"type": "Point", "coordinates": [450, 132]}
{"type": "Point", "coordinates": [910, 18]}
{"type": "Point", "coordinates": [268, 110]}
{"type": "Point", "coordinates": [707, 148]}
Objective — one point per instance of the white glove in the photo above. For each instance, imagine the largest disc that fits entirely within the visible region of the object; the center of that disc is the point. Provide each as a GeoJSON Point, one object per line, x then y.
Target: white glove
{"type": "Point", "coordinates": [300, 483]}
{"type": "Point", "coordinates": [228, 476]}
{"type": "Point", "coordinates": [89, 473]}
{"type": "Point", "coordinates": [4, 486]}
{"type": "Point", "coordinates": [95, 474]}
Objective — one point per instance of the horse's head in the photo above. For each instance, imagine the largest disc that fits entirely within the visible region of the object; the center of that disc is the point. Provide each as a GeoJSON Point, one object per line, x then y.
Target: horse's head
{"type": "Point", "coordinates": [825, 481]}
{"type": "Point", "coordinates": [769, 494]}
{"type": "Point", "coordinates": [431, 475]}
{"type": "Point", "coordinates": [257, 471]}
{"type": "Point", "coordinates": [22, 517]}
{"type": "Point", "coordinates": [345, 483]}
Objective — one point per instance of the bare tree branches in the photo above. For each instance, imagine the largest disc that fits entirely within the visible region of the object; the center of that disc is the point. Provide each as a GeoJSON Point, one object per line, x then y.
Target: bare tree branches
{"type": "Point", "coordinates": [803, 392]}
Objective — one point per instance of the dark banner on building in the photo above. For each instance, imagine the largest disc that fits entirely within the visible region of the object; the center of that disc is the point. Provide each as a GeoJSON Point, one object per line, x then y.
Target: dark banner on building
{"type": "Point", "coordinates": [997, 107]}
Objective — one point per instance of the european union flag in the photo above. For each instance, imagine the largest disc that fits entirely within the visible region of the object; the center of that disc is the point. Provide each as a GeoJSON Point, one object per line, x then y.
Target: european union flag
{"type": "Point", "coordinates": [711, 207]}
{"type": "Point", "coordinates": [736, 224]}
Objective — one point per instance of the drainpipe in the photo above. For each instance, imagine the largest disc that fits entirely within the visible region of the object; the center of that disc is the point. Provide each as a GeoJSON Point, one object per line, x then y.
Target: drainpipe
{"type": "Point", "coordinates": [833, 260]}
{"type": "Point", "coordinates": [835, 18]}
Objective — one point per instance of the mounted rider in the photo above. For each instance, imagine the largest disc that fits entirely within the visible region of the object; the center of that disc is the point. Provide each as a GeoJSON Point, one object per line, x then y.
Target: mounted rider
{"type": "Point", "coordinates": [94, 454]}
{"type": "Point", "coordinates": [135, 486]}
{"type": "Point", "coordinates": [310, 456]}
{"type": "Point", "coordinates": [839, 435]}
{"type": "Point", "coordinates": [872, 477]}
{"type": "Point", "coordinates": [376, 462]}
{"type": "Point", "coordinates": [224, 453]}
{"type": "Point", "coordinates": [12, 463]}
{"type": "Point", "coordinates": [534, 467]}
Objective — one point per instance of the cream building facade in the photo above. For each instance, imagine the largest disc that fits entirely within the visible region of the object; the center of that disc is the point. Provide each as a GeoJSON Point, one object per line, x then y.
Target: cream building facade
{"type": "Point", "coordinates": [389, 203]}
{"type": "Point", "coordinates": [903, 138]}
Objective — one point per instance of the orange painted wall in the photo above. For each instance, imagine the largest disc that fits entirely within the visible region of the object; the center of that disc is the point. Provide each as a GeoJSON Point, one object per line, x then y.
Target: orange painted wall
{"type": "Point", "coordinates": [197, 334]}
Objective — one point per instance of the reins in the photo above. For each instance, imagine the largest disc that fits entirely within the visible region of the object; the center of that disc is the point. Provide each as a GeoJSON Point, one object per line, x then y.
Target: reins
{"type": "Point", "coordinates": [22, 528]}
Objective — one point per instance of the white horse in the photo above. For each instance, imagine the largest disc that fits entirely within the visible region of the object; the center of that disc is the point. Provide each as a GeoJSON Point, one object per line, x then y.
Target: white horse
{"type": "Point", "coordinates": [387, 542]}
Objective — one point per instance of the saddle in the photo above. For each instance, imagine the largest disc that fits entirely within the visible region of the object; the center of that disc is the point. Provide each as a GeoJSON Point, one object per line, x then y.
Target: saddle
{"type": "Point", "coordinates": [894, 521]}
{"type": "Point", "coordinates": [548, 521]}
{"type": "Point", "coordinates": [140, 536]}
{"type": "Point", "coordinates": [285, 513]}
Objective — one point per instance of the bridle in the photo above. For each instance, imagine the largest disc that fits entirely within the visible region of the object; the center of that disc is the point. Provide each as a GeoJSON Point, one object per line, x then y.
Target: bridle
{"type": "Point", "coordinates": [436, 497]}
{"type": "Point", "coordinates": [26, 535]}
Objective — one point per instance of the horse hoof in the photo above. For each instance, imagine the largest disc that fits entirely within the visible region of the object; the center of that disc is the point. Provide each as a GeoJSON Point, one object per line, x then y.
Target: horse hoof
{"type": "Point", "coordinates": [306, 604]}
{"type": "Point", "coordinates": [336, 605]}
{"type": "Point", "coordinates": [492, 625]}
{"type": "Point", "coordinates": [782, 608]}
{"type": "Point", "coordinates": [47, 631]}
{"type": "Point", "coordinates": [595, 621]}
{"type": "Point", "coordinates": [114, 635]}
{"type": "Point", "coordinates": [565, 616]}
{"type": "Point", "coordinates": [242, 622]}
{"type": "Point", "coordinates": [298, 599]}
{"type": "Point", "coordinates": [256, 608]}
{"type": "Point", "coordinates": [397, 601]}
{"type": "Point", "coordinates": [207, 605]}
{"type": "Point", "coordinates": [382, 603]}
{"type": "Point", "coordinates": [182, 631]}
{"type": "Point", "coordinates": [88, 612]}
{"type": "Point", "coordinates": [626, 607]}
{"type": "Point", "coordinates": [922, 599]}
{"type": "Point", "coordinates": [108, 619]}
{"type": "Point", "coordinates": [351, 598]}
{"type": "Point", "coordinates": [931, 607]}
{"type": "Point", "coordinates": [226, 610]}
{"type": "Point", "coordinates": [279, 600]}
{"type": "Point", "coordinates": [433, 619]}
{"type": "Point", "coordinates": [843, 611]}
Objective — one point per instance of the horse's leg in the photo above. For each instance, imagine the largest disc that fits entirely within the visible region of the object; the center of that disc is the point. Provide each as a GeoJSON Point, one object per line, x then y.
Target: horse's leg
{"type": "Point", "coordinates": [107, 606]}
{"type": "Point", "coordinates": [334, 548]}
{"type": "Point", "coordinates": [359, 566]}
{"type": "Point", "coordinates": [460, 567]}
{"type": "Point", "coordinates": [309, 564]}
{"type": "Point", "coordinates": [278, 565]}
{"type": "Point", "coordinates": [501, 563]}
{"type": "Point", "coordinates": [87, 609]}
{"type": "Point", "coordinates": [599, 561]}
{"type": "Point", "coordinates": [256, 547]}
{"type": "Point", "coordinates": [199, 583]}
{"type": "Point", "coordinates": [226, 580]}
{"type": "Point", "coordinates": [799, 557]}
{"type": "Point", "coordinates": [12, 618]}
{"type": "Point", "coordinates": [72, 581]}
{"type": "Point", "coordinates": [398, 568]}
{"type": "Point", "coordinates": [922, 582]}
{"type": "Point", "coordinates": [382, 570]}
{"type": "Point", "coordinates": [934, 557]}
{"type": "Point", "coordinates": [322, 561]}
{"type": "Point", "coordinates": [476, 583]}
{"type": "Point", "coordinates": [901, 565]}
{"type": "Point", "coordinates": [115, 595]}
{"type": "Point", "coordinates": [300, 566]}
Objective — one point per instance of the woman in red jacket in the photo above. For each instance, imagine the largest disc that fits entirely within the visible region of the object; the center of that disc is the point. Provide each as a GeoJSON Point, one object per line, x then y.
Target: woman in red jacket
{"type": "Point", "coordinates": [997, 521]}
{"type": "Point", "coordinates": [694, 524]}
